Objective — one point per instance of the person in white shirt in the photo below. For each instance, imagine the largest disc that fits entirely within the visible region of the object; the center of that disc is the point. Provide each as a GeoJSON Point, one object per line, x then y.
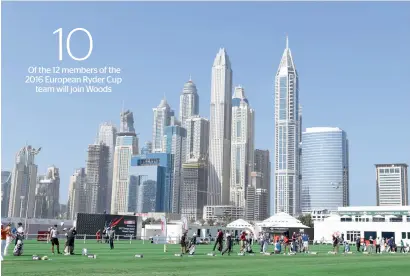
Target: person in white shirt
{"type": "Point", "coordinates": [54, 239]}
{"type": "Point", "coordinates": [20, 233]}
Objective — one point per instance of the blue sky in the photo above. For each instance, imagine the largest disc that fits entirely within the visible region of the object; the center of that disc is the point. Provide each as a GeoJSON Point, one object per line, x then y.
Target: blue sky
{"type": "Point", "coordinates": [352, 58]}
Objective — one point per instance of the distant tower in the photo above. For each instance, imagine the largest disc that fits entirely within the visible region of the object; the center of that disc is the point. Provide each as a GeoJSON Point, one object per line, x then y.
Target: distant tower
{"type": "Point", "coordinates": [220, 130]}
{"type": "Point", "coordinates": [107, 135]}
{"type": "Point", "coordinates": [47, 196]}
{"type": "Point", "coordinates": [77, 197]}
{"type": "Point", "coordinates": [163, 116]}
{"type": "Point", "coordinates": [242, 148]}
{"type": "Point", "coordinates": [287, 136]}
{"type": "Point", "coordinates": [189, 102]}
{"type": "Point", "coordinates": [125, 147]}
{"type": "Point", "coordinates": [23, 183]}
{"type": "Point", "coordinates": [392, 184]}
{"type": "Point", "coordinates": [5, 192]}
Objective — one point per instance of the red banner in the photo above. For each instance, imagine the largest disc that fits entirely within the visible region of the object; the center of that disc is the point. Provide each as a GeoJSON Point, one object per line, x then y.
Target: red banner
{"type": "Point", "coordinates": [42, 235]}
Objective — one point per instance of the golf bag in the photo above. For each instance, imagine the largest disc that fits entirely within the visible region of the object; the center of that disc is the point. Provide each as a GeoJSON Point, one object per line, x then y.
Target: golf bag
{"type": "Point", "coordinates": [248, 248]}
{"type": "Point", "coordinates": [18, 249]}
{"type": "Point", "coordinates": [192, 249]}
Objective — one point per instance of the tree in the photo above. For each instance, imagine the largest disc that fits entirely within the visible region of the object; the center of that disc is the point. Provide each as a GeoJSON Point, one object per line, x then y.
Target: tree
{"type": "Point", "coordinates": [306, 220]}
{"type": "Point", "coordinates": [148, 221]}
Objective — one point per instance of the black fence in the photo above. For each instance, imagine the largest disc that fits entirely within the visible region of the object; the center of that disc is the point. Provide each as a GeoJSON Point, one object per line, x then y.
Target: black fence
{"type": "Point", "coordinates": [124, 226]}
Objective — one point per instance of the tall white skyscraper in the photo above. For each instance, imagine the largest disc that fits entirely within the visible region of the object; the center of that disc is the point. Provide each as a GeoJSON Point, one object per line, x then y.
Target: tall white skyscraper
{"type": "Point", "coordinates": [126, 146]}
{"type": "Point", "coordinates": [220, 130]}
{"type": "Point", "coordinates": [5, 192]}
{"type": "Point", "coordinates": [392, 185]}
{"type": "Point", "coordinates": [77, 197]}
{"type": "Point", "coordinates": [163, 116]}
{"type": "Point", "coordinates": [47, 196]}
{"type": "Point", "coordinates": [287, 136]}
{"type": "Point", "coordinates": [23, 183]}
{"type": "Point", "coordinates": [188, 102]}
{"type": "Point", "coordinates": [242, 147]}
{"type": "Point", "coordinates": [197, 138]}
{"type": "Point", "coordinates": [107, 134]}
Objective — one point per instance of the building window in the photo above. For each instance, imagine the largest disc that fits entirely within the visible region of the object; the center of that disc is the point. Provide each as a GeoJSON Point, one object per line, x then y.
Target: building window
{"type": "Point", "coordinates": [405, 235]}
{"type": "Point", "coordinates": [352, 235]}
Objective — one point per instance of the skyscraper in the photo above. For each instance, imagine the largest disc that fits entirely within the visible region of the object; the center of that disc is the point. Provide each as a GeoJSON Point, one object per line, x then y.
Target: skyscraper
{"type": "Point", "coordinates": [97, 178]}
{"type": "Point", "coordinates": [107, 134]}
{"type": "Point", "coordinates": [263, 166]}
{"type": "Point", "coordinates": [5, 192]}
{"type": "Point", "coordinates": [150, 182]}
{"type": "Point", "coordinates": [392, 184]}
{"type": "Point", "coordinates": [325, 169]}
{"type": "Point", "coordinates": [189, 102]}
{"type": "Point", "coordinates": [147, 148]}
{"type": "Point", "coordinates": [287, 136]}
{"type": "Point", "coordinates": [220, 130]}
{"type": "Point", "coordinates": [163, 116]}
{"type": "Point", "coordinates": [175, 143]}
{"type": "Point", "coordinates": [125, 147]}
{"type": "Point", "coordinates": [23, 183]}
{"type": "Point", "coordinates": [47, 195]}
{"type": "Point", "coordinates": [77, 197]}
{"type": "Point", "coordinates": [197, 138]}
{"type": "Point", "coordinates": [194, 189]}
{"type": "Point", "coordinates": [242, 147]}
{"type": "Point", "coordinates": [256, 199]}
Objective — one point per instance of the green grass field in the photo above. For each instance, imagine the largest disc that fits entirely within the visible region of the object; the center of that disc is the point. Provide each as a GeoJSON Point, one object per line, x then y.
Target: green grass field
{"type": "Point", "coordinates": [121, 261]}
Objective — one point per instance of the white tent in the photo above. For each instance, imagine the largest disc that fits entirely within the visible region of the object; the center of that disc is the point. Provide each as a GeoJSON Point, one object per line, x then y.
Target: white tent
{"type": "Point", "coordinates": [282, 220]}
{"type": "Point", "coordinates": [240, 224]}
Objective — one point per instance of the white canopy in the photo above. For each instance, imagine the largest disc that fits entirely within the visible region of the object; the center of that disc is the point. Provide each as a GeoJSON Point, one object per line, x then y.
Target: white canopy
{"type": "Point", "coordinates": [282, 220]}
{"type": "Point", "coordinates": [240, 223]}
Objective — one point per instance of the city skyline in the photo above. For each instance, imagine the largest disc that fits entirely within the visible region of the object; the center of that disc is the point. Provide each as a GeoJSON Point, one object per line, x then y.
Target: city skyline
{"type": "Point", "coordinates": [330, 94]}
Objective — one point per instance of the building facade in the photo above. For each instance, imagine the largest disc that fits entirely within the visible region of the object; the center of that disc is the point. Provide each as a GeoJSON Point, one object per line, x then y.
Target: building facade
{"type": "Point", "coordinates": [263, 166]}
{"type": "Point", "coordinates": [126, 146]}
{"type": "Point", "coordinates": [147, 148]}
{"type": "Point", "coordinates": [163, 116]}
{"type": "Point", "coordinates": [150, 183]}
{"type": "Point", "coordinates": [194, 189]}
{"type": "Point", "coordinates": [77, 196]}
{"type": "Point", "coordinates": [197, 138]}
{"type": "Point", "coordinates": [97, 178]}
{"type": "Point", "coordinates": [5, 192]}
{"type": "Point", "coordinates": [325, 169]}
{"type": "Point", "coordinates": [256, 208]}
{"type": "Point", "coordinates": [287, 136]}
{"type": "Point", "coordinates": [220, 130]}
{"type": "Point", "coordinates": [392, 185]}
{"type": "Point", "coordinates": [366, 222]}
{"type": "Point", "coordinates": [175, 145]}
{"type": "Point", "coordinates": [107, 134]}
{"type": "Point", "coordinates": [188, 102]}
{"type": "Point", "coordinates": [223, 212]}
{"type": "Point", "coordinates": [242, 147]}
{"type": "Point", "coordinates": [23, 183]}
{"type": "Point", "coordinates": [47, 195]}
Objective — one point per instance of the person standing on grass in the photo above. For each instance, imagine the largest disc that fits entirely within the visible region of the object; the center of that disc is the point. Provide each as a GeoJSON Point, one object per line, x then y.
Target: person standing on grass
{"type": "Point", "coordinates": [9, 238]}
{"type": "Point", "coordinates": [54, 239]}
{"type": "Point", "coordinates": [378, 243]}
{"type": "Point", "coordinates": [371, 244]}
{"type": "Point", "coordinates": [358, 242]}
{"type": "Point", "coordinates": [3, 240]}
{"type": "Point", "coordinates": [111, 237]}
{"type": "Point", "coordinates": [305, 240]}
{"type": "Point", "coordinates": [242, 242]}
{"type": "Point", "coordinates": [183, 243]}
{"type": "Point", "coordinates": [71, 239]}
{"type": "Point", "coordinates": [228, 244]}
{"type": "Point", "coordinates": [98, 235]}
{"type": "Point", "coordinates": [219, 240]}
{"type": "Point", "coordinates": [335, 244]}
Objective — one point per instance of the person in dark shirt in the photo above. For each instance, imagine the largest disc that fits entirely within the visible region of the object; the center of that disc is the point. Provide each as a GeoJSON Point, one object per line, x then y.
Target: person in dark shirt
{"type": "Point", "coordinates": [335, 244]}
{"type": "Point", "coordinates": [192, 245]}
{"type": "Point", "coordinates": [219, 240]}
{"type": "Point", "coordinates": [71, 238]}
{"type": "Point", "coordinates": [228, 247]}
{"type": "Point", "coordinates": [183, 243]}
{"type": "Point", "coordinates": [358, 243]}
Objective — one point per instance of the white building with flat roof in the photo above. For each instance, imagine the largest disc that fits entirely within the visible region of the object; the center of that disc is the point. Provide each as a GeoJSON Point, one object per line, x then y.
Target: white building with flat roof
{"type": "Point", "coordinates": [392, 184]}
{"type": "Point", "coordinates": [366, 221]}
